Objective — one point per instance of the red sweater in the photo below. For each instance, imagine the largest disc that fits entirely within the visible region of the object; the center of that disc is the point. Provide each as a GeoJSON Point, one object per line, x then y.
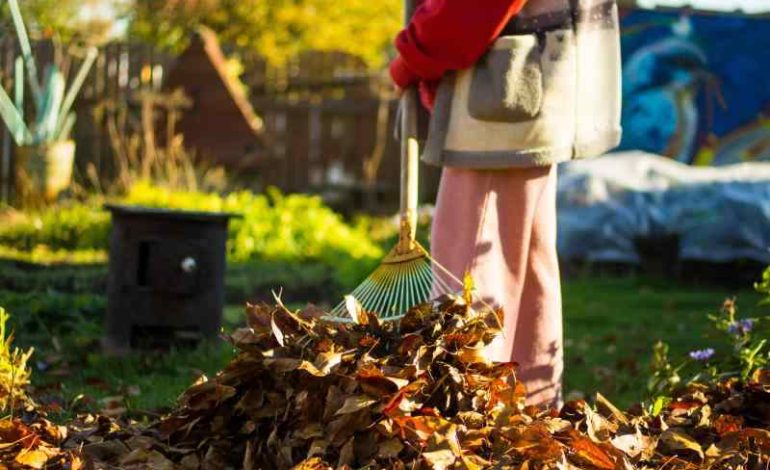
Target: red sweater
{"type": "Point", "coordinates": [447, 35]}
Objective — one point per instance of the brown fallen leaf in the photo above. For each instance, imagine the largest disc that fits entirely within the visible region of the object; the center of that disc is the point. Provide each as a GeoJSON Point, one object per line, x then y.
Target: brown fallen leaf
{"type": "Point", "coordinates": [676, 441]}
{"type": "Point", "coordinates": [635, 445]}
{"type": "Point", "coordinates": [761, 377]}
{"type": "Point", "coordinates": [390, 449]}
{"type": "Point", "coordinates": [599, 428]}
{"type": "Point", "coordinates": [610, 410]}
{"type": "Point", "coordinates": [440, 459]}
{"type": "Point", "coordinates": [584, 451]}
{"type": "Point", "coordinates": [145, 458]}
{"type": "Point", "coordinates": [13, 432]}
{"type": "Point", "coordinates": [277, 333]}
{"type": "Point", "coordinates": [314, 463]}
{"type": "Point", "coordinates": [758, 437]}
{"type": "Point", "coordinates": [355, 404]}
{"type": "Point", "coordinates": [726, 424]}
{"type": "Point", "coordinates": [37, 458]}
{"type": "Point", "coordinates": [534, 442]}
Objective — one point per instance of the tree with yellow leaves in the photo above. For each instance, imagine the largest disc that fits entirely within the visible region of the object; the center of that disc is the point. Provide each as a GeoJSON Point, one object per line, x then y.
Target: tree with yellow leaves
{"type": "Point", "coordinates": [89, 21]}
{"type": "Point", "coordinates": [276, 29]}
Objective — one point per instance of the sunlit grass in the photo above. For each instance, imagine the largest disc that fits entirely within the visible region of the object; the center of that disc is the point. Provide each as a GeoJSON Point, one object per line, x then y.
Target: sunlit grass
{"type": "Point", "coordinates": [612, 324]}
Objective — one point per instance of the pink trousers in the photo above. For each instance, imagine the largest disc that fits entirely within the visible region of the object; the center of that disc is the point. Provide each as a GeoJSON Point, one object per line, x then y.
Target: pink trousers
{"type": "Point", "coordinates": [501, 225]}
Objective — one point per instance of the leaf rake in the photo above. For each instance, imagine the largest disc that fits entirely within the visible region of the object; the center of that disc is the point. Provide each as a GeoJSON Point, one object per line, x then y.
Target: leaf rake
{"type": "Point", "coordinates": [408, 276]}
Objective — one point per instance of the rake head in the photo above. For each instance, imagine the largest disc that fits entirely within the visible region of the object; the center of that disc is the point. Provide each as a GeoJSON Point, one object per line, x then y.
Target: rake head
{"type": "Point", "coordinates": [406, 278]}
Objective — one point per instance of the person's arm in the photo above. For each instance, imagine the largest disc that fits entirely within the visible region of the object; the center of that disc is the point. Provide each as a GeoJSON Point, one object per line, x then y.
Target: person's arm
{"type": "Point", "coordinates": [448, 35]}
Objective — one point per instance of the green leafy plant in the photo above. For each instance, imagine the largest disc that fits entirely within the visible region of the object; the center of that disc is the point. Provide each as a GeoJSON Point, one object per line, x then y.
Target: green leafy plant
{"type": "Point", "coordinates": [14, 372]}
{"type": "Point", "coordinates": [44, 255]}
{"type": "Point", "coordinates": [739, 349]}
{"type": "Point", "coordinates": [54, 118]}
{"type": "Point", "coordinates": [277, 227]}
{"type": "Point", "coordinates": [63, 227]}
{"type": "Point", "coordinates": [763, 287]}
{"type": "Point", "coordinates": [665, 376]}
{"type": "Point", "coordinates": [272, 227]}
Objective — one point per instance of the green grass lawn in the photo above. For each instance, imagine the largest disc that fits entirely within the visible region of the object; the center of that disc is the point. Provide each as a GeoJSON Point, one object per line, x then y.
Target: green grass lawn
{"type": "Point", "coordinates": [613, 323]}
{"type": "Point", "coordinates": [78, 377]}
{"type": "Point", "coordinates": [611, 326]}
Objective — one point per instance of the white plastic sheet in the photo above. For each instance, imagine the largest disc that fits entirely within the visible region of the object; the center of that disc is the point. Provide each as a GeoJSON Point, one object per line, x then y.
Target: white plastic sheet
{"type": "Point", "coordinates": [721, 214]}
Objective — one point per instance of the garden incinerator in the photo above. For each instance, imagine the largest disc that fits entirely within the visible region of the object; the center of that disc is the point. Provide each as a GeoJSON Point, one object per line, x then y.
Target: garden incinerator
{"type": "Point", "coordinates": [166, 276]}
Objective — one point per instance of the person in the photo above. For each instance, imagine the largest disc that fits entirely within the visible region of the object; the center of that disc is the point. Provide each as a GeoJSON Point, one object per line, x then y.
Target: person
{"type": "Point", "coordinates": [514, 87]}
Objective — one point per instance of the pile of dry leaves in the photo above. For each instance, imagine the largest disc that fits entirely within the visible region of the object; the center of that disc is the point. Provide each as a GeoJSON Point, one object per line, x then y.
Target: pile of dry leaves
{"type": "Point", "coordinates": [308, 394]}
{"type": "Point", "coordinates": [34, 443]}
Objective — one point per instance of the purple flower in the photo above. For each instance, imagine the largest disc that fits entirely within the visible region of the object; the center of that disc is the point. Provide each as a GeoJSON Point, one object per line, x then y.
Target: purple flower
{"type": "Point", "coordinates": [703, 354]}
{"type": "Point", "coordinates": [741, 327]}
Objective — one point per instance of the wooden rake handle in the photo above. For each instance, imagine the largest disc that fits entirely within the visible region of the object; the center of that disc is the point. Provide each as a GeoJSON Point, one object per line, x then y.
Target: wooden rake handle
{"type": "Point", "coordinates": [410, 167]}
{"type": "Point", "coordinates": [410, 159]}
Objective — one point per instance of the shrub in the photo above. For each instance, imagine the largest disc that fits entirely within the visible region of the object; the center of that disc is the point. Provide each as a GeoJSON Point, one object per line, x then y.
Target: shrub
{"type": "Point", "coordinates": [272, 227]}
{"type": "Point", "coordinates": [14, 373]}
{"type": "Point", "coordinates": [44, 255]}
{"type": "Point", "coordinates": [276, 227]}
{"type": "Point", "coordinates": [64, 227]}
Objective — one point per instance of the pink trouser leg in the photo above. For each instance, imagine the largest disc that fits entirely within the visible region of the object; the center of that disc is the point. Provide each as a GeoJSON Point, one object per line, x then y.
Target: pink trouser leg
{"type": "Point", "coordinates": [501, 225]}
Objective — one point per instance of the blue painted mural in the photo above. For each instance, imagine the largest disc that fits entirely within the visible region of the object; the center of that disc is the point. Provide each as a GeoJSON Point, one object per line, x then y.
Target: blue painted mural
{"type": "Point", "coordinates": [697, 86]}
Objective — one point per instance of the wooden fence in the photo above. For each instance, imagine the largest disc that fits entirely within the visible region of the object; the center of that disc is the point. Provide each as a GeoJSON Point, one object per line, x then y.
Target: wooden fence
{"type": "Point", "coordinates": [331, 125]}
{"type": "Point", "coordinates": [328, 121]}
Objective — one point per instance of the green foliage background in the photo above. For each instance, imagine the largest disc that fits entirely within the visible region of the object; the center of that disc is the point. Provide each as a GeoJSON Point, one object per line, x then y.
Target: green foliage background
{"type": "Point", "coordinates": [272, 227]}
{"type": "Point", "coordinates": [276, 29]}
{"type": "Point", "coordinates": [64, 18]}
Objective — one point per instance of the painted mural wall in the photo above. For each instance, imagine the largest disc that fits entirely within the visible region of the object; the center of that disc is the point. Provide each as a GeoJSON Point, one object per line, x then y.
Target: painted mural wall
{"type": "Point", "coordinates": [697, 86]}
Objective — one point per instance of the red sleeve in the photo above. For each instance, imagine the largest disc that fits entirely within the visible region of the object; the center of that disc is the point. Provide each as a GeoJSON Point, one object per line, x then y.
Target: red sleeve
{"type": "Point", "coordinates": [449, 35]}
{"type": "Point", "coordinates": [402, 75]}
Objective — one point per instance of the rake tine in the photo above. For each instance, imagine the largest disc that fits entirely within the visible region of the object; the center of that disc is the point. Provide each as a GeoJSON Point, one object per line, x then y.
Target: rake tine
{"type": "Point", "coordinates": [365, 293]}
{"type": "Point", "coordinates": [399, 303]}
{"type": "Point", "coordinates": [411, 290]}
{"type": "Point", "coordinates": [403, 281]}
{"type": "Point", "coordinates": [422, 286]}
{"type": "Point", "coordinates": [410, 295]}
{"type": "Point", "coordinates": [379, 300]}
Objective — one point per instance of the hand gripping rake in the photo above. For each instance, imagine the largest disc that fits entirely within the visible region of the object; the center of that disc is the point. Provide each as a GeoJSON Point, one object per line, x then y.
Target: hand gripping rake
{"type": "Point", "coordinates": [408, 275]}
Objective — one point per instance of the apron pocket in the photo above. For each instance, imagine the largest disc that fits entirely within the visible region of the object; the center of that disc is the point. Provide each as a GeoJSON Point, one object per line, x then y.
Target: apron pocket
{"type": "Point", "coordinates": [507, 83]}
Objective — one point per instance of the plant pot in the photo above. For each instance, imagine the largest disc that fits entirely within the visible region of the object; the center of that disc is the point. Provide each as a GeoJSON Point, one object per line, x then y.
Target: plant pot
{"type": "Point", "coordinates": [44, 171]}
